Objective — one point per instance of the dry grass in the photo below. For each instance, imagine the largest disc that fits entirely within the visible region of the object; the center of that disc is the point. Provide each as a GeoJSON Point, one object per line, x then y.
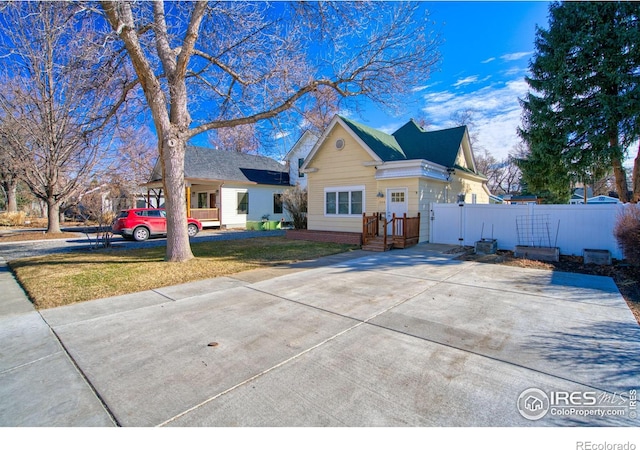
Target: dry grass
{"type": "Point", "coordinates": [63, 279]}
{"type": "Point", "coordinates": [9, 236]}
{"type": "Point", "coordinates": [20, 219]}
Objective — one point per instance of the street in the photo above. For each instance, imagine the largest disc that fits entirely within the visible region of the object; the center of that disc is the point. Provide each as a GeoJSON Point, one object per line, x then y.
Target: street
{"type": "Point", "coordinates": [25, 249]}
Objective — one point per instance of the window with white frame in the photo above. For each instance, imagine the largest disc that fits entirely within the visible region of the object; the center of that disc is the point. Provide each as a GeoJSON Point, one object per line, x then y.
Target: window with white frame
{"type": "Point", "coordinates": [344, 201]}
{"type": "Point", "coordinates": [243, 203]}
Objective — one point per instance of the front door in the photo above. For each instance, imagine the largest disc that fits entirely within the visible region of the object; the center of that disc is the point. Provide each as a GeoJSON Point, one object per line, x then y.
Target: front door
{"type": "Point", "coordinates": [397, 203]}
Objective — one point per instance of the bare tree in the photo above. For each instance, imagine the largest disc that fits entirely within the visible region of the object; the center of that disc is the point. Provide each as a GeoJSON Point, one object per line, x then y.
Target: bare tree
{"type": "Point", "coordinates": [60, 85]}
{"type": "Point", "coordinates": [295, 202]}
{"type": "Point", "coordinates": [9, 175]}
{"type": "Point", "coordinates": [503, 176]}
{"type": "Point", "coordinates": [137, 154]}
{"type": "Point", "coordinates": [242, 139]}
{"type": "Point", "coordinates": [466, 118]}
{"type": "Point", "coordinates": [204, 67]}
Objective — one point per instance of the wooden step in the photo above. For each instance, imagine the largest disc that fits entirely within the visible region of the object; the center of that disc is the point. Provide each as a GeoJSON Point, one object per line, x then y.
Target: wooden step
{"type": "Point", "coordinates": [377, 245]}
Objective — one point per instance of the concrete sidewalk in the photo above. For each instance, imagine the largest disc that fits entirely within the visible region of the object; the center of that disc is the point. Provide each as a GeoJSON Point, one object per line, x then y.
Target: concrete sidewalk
{"type": "Point", "coordinates": [404, 338]}
{"type": "Point", "coordinates": [39, 384]}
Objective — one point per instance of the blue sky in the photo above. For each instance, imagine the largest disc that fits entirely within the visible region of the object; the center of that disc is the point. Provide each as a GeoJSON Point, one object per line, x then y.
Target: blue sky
{"type": "Point", "coordinates": [485, 52]}
{"type": "Point", "coordinates": [485, 56]}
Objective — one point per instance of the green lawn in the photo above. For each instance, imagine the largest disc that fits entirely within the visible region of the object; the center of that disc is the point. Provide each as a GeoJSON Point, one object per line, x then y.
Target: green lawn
{"type": "Point", "coordinates": [62, 279]}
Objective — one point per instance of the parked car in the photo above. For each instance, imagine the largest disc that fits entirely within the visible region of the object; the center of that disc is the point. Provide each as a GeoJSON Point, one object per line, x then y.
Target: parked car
{"type": "Point", "coordinates": [141, 223]}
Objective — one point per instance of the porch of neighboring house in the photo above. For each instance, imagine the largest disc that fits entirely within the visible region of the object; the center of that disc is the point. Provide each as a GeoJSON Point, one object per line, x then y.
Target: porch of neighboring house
{"type": "Point", "coordinates": [380, 234]}
{"type": "Point", "coordinates": [203, 204]}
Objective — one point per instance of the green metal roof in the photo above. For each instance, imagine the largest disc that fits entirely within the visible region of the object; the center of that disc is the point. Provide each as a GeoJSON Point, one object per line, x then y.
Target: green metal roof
{"type": "Point", "coordinates": [412, 142]}
{"type": "Point", "coordinates": [382, 144]}
{"type": "Point", "coordinates": [440, 147]}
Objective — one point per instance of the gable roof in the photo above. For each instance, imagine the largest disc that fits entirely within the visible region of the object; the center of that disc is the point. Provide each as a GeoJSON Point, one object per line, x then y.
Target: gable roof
{"type": "Point", "coordinates": [440, 147]}
{"type": "Point", "coordinates": [222, 165]}
{"type": "Point", "coordinates": [412, 142]}
{"type": "Point", "coordinates": [382, 144]}
{"type": "Point", "coordinates": [307, 136]}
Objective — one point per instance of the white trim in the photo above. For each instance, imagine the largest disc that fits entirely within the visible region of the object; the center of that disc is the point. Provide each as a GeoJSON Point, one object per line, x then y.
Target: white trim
{"type": "Point", "coordinates": [327, 134]}
{"type": "Point", "coordinates": [348, 189]}
{"type": "Point", "coordinates": [404, 190]}
{"type": "Point", "coordinates": [410, 169]}
{"type": "Point", "coordinates": [295, 147]}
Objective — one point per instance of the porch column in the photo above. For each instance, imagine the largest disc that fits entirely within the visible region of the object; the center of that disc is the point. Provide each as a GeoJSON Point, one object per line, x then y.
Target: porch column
{"type": "Point", "coordinates": [188, 193]}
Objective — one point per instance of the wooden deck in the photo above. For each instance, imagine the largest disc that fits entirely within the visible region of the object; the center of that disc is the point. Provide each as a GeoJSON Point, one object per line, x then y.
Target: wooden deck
{"type": "Point", "coordinates": [404, 232]}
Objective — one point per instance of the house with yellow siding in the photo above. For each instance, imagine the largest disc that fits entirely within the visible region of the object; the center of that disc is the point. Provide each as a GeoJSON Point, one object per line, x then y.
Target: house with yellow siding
{"type": "Point", "coordinates": [354, 170]}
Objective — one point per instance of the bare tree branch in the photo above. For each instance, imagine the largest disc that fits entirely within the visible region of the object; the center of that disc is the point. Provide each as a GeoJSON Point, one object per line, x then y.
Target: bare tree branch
{"type": "Point", "coordinates": [257, 60]}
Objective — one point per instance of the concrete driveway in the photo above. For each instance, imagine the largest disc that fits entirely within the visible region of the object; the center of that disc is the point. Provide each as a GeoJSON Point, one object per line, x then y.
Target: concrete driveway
{"type": "Point", "coordinates": [404, 338]}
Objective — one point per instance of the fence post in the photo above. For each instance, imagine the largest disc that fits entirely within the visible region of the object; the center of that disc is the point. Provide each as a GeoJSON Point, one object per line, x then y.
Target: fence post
{"type": "Point", "coordinates": [461, 233]}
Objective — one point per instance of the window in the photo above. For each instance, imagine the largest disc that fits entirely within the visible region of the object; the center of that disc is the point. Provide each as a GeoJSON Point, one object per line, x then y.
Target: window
{"type": "Point", "coordinates": [344, 201]}
{"type": "Point", "coordinates": [243, 203]}
{"type": "Point", "coordinates": [331, 203]}
{"type": "Point", "coordinates": [397, 197]}
{"type": "Point", "coordinates": [356, 202]}
{"type": "Point", "coordinates": [202, 200]}
{"type": "Point", "coordinates": [277, 203]}
{"type": "Point", "coordinates": [300, 163]}
{"type": "Point", "coordinates": [149, 213]}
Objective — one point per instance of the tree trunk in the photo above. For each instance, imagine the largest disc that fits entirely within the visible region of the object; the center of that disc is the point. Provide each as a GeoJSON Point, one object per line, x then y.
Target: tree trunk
{"type": "Point", "coordinates": [635, 180]}
{"type": "Point", "coordinates": [618, 171]}
{"type": "Point", "coordinates": [178, 247]}
{"type": "Point", "coordinates": [621, 180]}
{"type": "Point", "coordinates": [53, 216]}
{"type": "Point", "coordinates": [12, 203]}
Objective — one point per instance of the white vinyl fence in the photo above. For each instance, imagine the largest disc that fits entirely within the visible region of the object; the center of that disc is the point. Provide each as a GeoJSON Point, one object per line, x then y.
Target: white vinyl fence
{"type": "Point", "coordinates": [572, 228]}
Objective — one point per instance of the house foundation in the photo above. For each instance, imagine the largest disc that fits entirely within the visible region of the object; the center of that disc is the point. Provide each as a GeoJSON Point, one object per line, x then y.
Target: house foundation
{"type": "Point", "coordinates": [325, 236]}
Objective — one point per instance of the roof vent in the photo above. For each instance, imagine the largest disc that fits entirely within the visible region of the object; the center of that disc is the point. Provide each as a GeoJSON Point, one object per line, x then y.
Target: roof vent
{"type": "Point", "coordinates": [340, 144]}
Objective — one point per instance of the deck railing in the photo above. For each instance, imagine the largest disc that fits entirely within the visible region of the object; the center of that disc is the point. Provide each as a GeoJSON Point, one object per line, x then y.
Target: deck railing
{"type": "Point", "coordinates": [370, 227]}
{"type": "Point", "coordinates": [403, 231]}
{"type": "Point", "coordinates": [205, 213]}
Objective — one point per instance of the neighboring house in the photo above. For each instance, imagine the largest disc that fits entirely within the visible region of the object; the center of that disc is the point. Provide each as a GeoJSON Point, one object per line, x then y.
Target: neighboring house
{"type": "Point", "coordinates": [521, 199]}
{"type": "Point", "coordinates": [229, 189]}
{"type": "Point", "coordinates": [597, 200]}
{"type": "Point", "coordinates": [354, 169]}
{"type": "Point", "coordinates": [296, 156]}
{"type": "Point", "coordinates": [577, 196]}
{"type": "Point", "coordinates": [495, 200]}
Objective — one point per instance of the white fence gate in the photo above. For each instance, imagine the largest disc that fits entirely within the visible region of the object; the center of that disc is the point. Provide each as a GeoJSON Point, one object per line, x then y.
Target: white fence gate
{"type": "Point", "coordinates": [572, 228]}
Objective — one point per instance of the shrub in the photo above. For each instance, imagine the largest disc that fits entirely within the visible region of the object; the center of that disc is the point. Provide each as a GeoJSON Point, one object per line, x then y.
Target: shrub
{"type": "Point", "coordinates": [295, 202]}
{"type": "Point", "coordinates": [12, 219]}
{"type": "Point", "coordinates": [627, 233]}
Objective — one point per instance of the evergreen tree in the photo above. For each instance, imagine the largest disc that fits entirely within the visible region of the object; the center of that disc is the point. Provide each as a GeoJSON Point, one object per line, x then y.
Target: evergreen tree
{"type": "Point", "coordinates": [583, 110]}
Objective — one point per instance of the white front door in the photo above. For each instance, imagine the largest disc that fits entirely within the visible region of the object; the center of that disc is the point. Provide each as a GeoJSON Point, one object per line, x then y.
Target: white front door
{"type": "Point", "coordinates": [397, 203]}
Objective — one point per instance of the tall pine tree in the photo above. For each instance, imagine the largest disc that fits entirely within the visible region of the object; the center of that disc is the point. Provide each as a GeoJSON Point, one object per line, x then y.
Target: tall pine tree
{"type": "Point", "coordinates": [583, 110]}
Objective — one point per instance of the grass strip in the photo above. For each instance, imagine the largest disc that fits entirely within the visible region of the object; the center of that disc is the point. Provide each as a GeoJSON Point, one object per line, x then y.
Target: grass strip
{"type": "Point", "coordinates": [62, 279]}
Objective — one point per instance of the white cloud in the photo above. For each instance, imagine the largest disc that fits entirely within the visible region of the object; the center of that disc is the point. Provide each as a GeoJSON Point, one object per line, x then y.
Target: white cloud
{"type": "Point", "coordinates": [496, 113]}
{"type": "Point", "coordinates": [467, 80]}
{"type": "Point", "coordinates": [281, 134]}
{"type": "Point", "coordinates": [514, 71]}
{"type": "Point", "coordinates": [488, 60]}
{"type": "Point", "coordinates": [515, 56]}
{"type": "Point", "coordinates": [390, 128]}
